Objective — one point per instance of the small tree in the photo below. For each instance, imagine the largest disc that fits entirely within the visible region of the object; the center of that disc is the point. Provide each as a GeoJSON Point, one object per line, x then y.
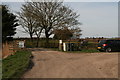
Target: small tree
{"type": "Point", "coordinates": [63, 34]}
{"type": "Point", "coordinates": [9, 23]}
{"type": "Point", "coordinates": [76, 32]}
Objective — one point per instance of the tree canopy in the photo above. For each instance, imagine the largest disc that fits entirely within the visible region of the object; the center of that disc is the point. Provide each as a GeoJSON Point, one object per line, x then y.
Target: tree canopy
{"type": "Point", "coordinates": [62, 34]}
{"type": "Point", "coordinates": [8, 23]}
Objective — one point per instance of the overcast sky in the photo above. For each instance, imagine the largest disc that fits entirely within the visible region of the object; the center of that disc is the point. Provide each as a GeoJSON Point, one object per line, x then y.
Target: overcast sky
{"type": "Point", "coordinates": [99, 19]}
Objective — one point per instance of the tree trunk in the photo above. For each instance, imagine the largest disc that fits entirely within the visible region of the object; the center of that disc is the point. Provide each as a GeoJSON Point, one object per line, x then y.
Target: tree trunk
{"type": "Point", "coordinates": [37, 45]}
{"type": "Point", "coordinates": [47, 39]}
{"type": "Point", "coordinates": [31, 37]}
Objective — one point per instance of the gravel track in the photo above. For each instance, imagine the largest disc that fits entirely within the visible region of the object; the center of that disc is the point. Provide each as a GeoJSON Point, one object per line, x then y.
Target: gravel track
{"type": "Point", "coordinates": [54, 64]}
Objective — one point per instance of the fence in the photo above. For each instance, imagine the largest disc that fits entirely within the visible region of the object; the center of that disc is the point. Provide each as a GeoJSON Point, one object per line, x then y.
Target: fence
{"type": "Point", "coordinates": [77, 45]}
{"type": "Point", "coordinates": [9, 48]}
{"type": "Point", "coordinates": [42, 43]}
{"type": "Point", "coordinates": [6, 49]}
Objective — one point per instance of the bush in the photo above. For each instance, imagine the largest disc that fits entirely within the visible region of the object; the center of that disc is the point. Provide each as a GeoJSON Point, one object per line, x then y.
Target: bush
{"type": "Point", "coordinates": [90, 45]}
{"type": "Point", "coordinates": [42, 43]}
{"type": "Point", "coordinates": [30, 44]}
{"type": "Point", "coordinates": [15, 65]}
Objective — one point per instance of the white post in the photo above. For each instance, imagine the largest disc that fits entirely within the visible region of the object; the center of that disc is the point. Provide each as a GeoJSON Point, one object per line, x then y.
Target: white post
{"type": "Point", "coordinates": [60, 41]}
{"type": "Point", "coordinates": [60, 44]}
{"type": "Point", "coordinates": [64, 47]}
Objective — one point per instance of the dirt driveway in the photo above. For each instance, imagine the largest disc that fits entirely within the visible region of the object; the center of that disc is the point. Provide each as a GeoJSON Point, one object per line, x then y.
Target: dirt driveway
{"type": "Point", "coordinates": [54, 64]}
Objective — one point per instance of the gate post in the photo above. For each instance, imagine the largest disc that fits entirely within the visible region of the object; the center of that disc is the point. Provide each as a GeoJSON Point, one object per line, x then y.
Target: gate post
{"type": "Point", "coordinates": [60, 45]}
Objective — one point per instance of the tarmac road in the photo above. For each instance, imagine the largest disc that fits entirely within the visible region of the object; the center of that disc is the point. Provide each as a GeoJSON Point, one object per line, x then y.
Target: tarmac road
{"type": "Point", "coordinates": [54, 64]}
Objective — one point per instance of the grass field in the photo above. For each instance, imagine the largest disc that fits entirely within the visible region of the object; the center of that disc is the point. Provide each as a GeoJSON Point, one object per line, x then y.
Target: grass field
{"type": "Point", "coordinates": [15, 65]}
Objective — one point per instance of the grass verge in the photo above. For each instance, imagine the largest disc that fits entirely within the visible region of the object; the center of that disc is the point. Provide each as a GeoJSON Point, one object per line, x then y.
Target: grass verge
{"type": "Point", "coordinates": [15, 65]}
{"type": "Point", "coordinates": [54, 49]}
{"type": "Point", "coordinates": [89, 50]}
{"type": "Point", "coordinates": [83, 51]}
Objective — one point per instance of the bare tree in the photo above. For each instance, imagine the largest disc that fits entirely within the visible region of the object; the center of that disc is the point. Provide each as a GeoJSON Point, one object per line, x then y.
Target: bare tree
{"type": "Point", "coordinates": [27, 22]}
{"type": "Point", "coordinates": [30, 24]}
{"type": "Point", "coordinates": [38, 32]}
{"type": "Point", "coordinates": [52, 15]}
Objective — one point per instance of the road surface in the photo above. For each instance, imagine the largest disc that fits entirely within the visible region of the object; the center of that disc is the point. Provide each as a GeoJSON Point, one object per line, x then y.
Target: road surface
{"type": "Point", "coordinates": [54, 64]}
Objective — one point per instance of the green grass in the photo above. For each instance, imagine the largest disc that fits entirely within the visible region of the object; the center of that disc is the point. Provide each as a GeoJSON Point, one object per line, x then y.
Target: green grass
{"type": "Point", "coordinates": [54, 49]}
{"type": "Point", "coordinates": [89, 50]}
{"type": "Point", "coordinates": [15, 65]}
{"type": "Point", "coordinates": [90, 47]}
{"type": "Point", "coordinates": [83, 51]}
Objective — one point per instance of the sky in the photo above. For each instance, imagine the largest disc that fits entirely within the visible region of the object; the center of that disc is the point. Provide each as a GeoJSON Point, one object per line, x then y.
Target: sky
{"type": "Point", "coordinates": [99, 19]}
